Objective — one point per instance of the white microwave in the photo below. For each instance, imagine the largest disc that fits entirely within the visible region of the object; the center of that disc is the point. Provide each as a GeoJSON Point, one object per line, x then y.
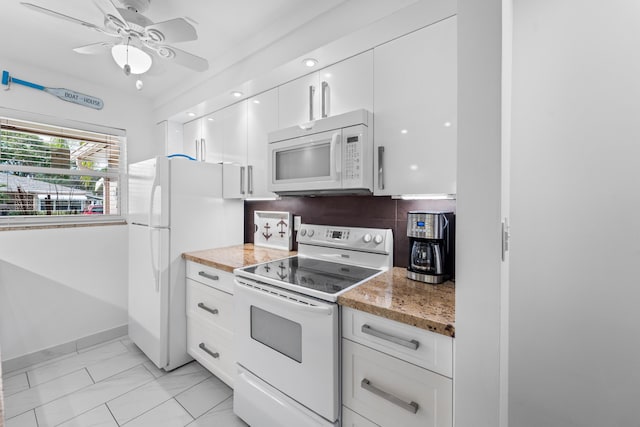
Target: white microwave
{"type": "Point", "coordinates": [328, 156]}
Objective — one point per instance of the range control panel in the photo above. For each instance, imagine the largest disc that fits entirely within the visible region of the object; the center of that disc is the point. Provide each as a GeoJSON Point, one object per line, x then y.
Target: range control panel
{"type": "Point", "coordinates": [377, 240]}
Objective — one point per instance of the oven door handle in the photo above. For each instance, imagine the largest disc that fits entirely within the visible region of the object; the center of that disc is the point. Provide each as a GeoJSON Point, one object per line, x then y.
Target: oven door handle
{"type": "Point", "coordinates": [298, 305]}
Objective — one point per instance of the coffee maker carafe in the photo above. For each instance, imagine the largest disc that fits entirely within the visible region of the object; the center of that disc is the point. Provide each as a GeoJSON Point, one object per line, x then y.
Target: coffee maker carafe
{"type": "Point", "coordinates": [431, 241]}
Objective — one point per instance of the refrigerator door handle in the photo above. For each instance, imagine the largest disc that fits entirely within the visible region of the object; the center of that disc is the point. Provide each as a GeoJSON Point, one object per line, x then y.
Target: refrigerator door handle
{"type": "Point", "coordinates": [155, 258]}
{"type": "Point", "coordinates": [152, 199]}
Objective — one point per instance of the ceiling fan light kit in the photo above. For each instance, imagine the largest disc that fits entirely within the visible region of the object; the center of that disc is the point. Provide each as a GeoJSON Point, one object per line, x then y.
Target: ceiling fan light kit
{"type": "Point", "coordinates": [139, 61]}
{"type": "Point", "coordinates": [137, 37]}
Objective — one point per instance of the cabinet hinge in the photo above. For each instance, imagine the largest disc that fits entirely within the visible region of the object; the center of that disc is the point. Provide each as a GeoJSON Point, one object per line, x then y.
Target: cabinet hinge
{"type": "Point", "coordinates": [505, 237]}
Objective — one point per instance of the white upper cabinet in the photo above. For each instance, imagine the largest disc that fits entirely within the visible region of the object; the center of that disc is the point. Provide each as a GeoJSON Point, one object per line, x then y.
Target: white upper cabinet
{"type": "Point", "coordinates": [350, 85]}
{"type": "Point", "coordinates": [340, 88]}
{"type": "Point", "coordinates": [191, 133]}
{"type": "Point", "coordinates": [206, 131]}
{"type": "Point", "coordinates": [262, 118]}
{"type": "Point", "coordinates": [415, 112]}
{"type": "Point", "coordinates": [234, 147]}
{"type": "Point", "coordinates": [299, 101]}
{"type": "Point", "coordinates": [212, 133]}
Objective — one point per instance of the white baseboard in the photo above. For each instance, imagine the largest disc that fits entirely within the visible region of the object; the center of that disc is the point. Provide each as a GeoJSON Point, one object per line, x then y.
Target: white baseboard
{"type": "Point", "coordinates": [40, 356]}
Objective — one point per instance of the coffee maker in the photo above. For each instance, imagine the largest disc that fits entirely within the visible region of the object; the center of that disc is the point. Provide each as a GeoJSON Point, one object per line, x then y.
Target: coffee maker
{"type": "Point", "coordinates": [431, 246]}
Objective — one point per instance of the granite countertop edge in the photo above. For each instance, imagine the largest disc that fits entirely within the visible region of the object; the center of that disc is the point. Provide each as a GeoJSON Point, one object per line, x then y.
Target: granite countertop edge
{"type": "Point", "coordinates": [390, 295]}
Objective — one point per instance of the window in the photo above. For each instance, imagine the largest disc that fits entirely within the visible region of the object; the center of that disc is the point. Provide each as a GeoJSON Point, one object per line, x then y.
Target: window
{"type": "Point", "coordinates": [54, 174]}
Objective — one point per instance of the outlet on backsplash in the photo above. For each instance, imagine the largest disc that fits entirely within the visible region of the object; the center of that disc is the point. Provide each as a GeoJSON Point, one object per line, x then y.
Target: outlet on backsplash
{"type": "Point", "coordinates": [297, 221]}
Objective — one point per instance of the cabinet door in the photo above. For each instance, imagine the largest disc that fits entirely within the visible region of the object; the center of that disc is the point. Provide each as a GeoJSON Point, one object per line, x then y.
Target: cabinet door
{"type": "Point", "coordinates": [295, 102]}
{"type": "Point", "coordinates": [415, 112]}
{"type": "Point", "coordinates": [349, 85]}
{"type": "Point", "coordinates": [262, 119]}
{"type": "Point", "coordinates": [174, 138]}
{"type": "Point", "coordinates": [213, 135]}
{"type": "Point", "coordinates": [191, 132]}
{"type": "Point", "coordinates": [391, 392]}
{"type": "Point", "coordinates": [234, 170]}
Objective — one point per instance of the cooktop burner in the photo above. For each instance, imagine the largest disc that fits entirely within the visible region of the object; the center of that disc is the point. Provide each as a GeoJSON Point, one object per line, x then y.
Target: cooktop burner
{"type": "Point", "coordinates": [312, 273]}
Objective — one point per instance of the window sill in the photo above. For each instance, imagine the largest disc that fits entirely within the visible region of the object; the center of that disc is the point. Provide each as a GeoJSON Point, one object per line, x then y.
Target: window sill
{"type": "Point", "coordinates": [43, 226]}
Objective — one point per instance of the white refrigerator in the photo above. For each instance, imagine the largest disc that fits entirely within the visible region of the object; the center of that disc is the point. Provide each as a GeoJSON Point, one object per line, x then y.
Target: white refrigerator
{"type": "Point", "coordinates": [175, 206]}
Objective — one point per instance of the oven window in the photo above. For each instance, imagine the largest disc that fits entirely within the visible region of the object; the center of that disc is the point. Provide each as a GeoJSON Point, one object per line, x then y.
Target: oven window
{"type": "Point", "coordinates": [276, 332]}
{"type": "Point", "coordinates": [310, 161]}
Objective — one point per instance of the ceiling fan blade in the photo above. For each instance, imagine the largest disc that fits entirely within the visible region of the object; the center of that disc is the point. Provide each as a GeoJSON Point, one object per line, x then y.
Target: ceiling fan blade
{"type": "Point", "coordinates": [93, 48]}
{"type": "Point", "coordinates": [111, 12]}
{"type": "Point", "coordinates": [172, 31]}
{"type": "Point", "coordinates": [63, 16]}
{"type": "Point", "coordinates": [189, 60]}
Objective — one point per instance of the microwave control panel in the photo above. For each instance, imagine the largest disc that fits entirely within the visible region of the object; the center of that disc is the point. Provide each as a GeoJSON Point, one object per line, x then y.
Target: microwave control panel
{"type": "Point", "coordinates": [354, 141]}
{"type": "Point", "coordinates": [352, 157]}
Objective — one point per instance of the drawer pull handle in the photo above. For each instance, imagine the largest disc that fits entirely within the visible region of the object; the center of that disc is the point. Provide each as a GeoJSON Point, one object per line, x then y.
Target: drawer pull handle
{"type": "Point", "coordinates": [205, 308]}
{"type": "Point", "coordinates": [209, 352]}
{"type": "Point", "coordinates": [413, 344]}
{"type": "Point", "coordinates": [208, 276]}
{"type": "Point", "coordinates": [411, 407]}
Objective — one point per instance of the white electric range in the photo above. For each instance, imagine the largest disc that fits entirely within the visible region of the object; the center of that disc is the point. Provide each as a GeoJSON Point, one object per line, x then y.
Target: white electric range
{"type": "Point", "coordinates": [288, 325]}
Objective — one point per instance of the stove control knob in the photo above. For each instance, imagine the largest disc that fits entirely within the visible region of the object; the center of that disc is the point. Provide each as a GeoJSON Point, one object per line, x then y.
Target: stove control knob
{"type": "Point", "coordinates": [367, 238]}
{"type": "Point", "coordinates": [377, 239]}
{"type": "Point", "coordinates": [310, 233]}
{"type": "Point", "coordinates": [303, 232]}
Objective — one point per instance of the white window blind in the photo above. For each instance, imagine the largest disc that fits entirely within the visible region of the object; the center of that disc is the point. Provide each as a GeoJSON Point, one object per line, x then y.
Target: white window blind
{"type": "Point", "coordinates": [52, 174]}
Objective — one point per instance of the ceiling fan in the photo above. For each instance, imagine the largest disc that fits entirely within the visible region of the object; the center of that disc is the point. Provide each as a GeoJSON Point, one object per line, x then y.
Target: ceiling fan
{"type": "Point", "coordinates": [135, 37]}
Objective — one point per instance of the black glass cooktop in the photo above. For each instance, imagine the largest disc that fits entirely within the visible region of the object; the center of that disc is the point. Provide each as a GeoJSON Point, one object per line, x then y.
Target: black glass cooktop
{"type": "Point", "coordinates": [323, 276]}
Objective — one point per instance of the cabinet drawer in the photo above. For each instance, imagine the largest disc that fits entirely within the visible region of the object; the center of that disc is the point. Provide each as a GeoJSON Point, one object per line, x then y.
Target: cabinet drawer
{"type": "Point", "coordinates": [210, 276]}
{"type": "Point", "coordinates": [391, 392]}
{"type": "Point", "coordinates": [213, 348]}
{"type": "Point", "coordinates": [210, 305]}
{"type": "Point", "coordinates": [351, 419]}
{"type": "Point", "coordinates": [433, 351]}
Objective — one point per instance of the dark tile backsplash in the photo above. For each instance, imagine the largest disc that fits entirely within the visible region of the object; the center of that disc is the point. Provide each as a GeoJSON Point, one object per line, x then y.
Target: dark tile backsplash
{"type": "Point", "coordinates": [351, 211]}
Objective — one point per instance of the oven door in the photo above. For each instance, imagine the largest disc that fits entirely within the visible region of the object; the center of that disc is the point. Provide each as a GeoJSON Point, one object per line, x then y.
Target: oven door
{"type": "Point", "coordinates": [306, 163]}
{"type": "Point", "coordinates": [291, 342]}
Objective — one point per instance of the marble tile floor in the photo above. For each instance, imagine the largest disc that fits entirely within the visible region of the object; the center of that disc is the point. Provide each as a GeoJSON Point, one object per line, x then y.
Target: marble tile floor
{"type": "Point", "coordinates": [114, 384]}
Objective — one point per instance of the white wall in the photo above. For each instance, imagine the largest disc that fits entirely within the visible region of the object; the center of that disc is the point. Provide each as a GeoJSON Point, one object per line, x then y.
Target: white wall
{"type": "Point", "coordinates": [574, 315]}
{"type": "Point", "coordinates": [59, 285]}
{"type": "Point", "coordinates": [478, 245]}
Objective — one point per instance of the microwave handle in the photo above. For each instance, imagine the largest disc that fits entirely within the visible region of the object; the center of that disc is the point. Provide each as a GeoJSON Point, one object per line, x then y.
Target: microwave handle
{"type": "Point", "coordinates": [336, 152]}
{"type": "Point", "coordinates": [312, 91]}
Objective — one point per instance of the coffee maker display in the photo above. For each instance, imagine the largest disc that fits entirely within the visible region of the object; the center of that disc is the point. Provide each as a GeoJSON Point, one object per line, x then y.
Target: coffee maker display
{"type": "Point", "coordinates": [431, 246]}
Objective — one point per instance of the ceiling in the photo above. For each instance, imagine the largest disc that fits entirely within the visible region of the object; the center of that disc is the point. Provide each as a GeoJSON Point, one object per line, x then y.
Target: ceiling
{"type": "Point", "coordinates": [228, 31]}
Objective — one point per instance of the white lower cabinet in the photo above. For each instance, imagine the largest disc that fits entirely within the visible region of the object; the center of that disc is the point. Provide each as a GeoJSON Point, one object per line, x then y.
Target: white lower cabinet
{"type": "Point", "coordinates": [210, 320]}
{"type": "Point", "coordinates": [382, 388]}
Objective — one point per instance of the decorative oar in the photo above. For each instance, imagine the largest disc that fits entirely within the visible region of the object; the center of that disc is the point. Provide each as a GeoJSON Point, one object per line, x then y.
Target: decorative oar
{"type": "Point", "coordinates": [64, 94]}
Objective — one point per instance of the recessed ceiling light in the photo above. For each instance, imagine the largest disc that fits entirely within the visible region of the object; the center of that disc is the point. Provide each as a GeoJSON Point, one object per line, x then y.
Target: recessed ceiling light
{"type": "Point", "coordinates": [447, 124]}
{"type": "Point", "coordinates": [191, 114]}
{"type": "Point", "coordinates": [210, 119]}
{"type": "Point", "coordinates": [237, 93]}
{"type": "Point", "coordinates": [256, 101]}
{"type": "Point", "coordinates": [403, 131]}
{"type": "Point", "coordinates": [310, 62]}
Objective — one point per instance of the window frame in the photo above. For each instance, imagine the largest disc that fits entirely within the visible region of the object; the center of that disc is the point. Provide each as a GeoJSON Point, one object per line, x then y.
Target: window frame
{"type": "Point", "coordinates": [11, 222]}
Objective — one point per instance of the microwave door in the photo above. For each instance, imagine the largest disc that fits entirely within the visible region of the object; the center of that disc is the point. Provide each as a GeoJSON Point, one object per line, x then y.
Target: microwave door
{"type": "Point", "coordinates": [306, 163]}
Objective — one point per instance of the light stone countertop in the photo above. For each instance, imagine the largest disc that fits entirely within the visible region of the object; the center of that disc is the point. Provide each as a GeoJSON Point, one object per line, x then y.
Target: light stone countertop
{"type": "Point", "coordinates": [391, 294]}
{"type": "Point", "coordinates": [231, 257]}
{"type": "Point", "coordinates": [396, 297]}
